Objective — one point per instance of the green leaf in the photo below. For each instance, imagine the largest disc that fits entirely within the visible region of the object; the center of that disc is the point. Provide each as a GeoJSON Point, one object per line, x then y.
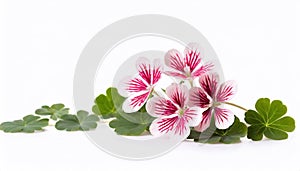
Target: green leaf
{"type": "Point", "coordinates": [29, 124]}
{"type": "Point", "coordinates": [108, 106]}
{"type": "Point", "coordinates": [55, 111]}
{"type": "Point", "coordinates": [131, 123]}
{"type": "Point", "coordinates": [267, 120]}
{"type": "Point", "coordinates": [80, 122]}
{"type": "Point", "coordinates": [256, 132]}
{"type": "Point", "coordinates": [227, 136]}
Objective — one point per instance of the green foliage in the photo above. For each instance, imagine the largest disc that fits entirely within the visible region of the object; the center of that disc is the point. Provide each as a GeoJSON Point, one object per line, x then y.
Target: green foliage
{"type": "Point", "coordinates": [29, 124]}
{"type": "Point", "coordinates": [228, 136]}
{"type": "Point", "coordinates": [80, 122]}
{"type": "Point", "coordinates": [131, 123]}
{"type": "Point", "coordinates": [109, 105]}
{"type": "Point", "coordinates": [55, 111]}
{"type": "Point", "coordinates": [268, 120]}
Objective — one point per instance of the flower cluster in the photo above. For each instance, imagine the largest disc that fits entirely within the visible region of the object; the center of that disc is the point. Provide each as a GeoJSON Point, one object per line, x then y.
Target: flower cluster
{"type": "Point", "coordinates": [188, 107]}
{"type": "Point", "coordinates": [194, 98]}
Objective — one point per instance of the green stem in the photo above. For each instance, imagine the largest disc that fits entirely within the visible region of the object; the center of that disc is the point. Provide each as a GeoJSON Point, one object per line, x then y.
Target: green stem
{"type": "Point", "coordinates": [235, 105]}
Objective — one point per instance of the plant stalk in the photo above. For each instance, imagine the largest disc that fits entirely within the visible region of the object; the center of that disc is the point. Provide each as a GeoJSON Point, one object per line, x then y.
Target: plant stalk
{"type": "Point", "coordinates": [235, 105]}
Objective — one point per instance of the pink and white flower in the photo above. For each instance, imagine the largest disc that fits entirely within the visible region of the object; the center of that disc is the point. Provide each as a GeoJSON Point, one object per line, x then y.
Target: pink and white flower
{"type": "Point", "coordinates": [173, 115]}
{"type": "Point", "coordinates": [188, 66]}
{"type": "Point", "coordinates": [139, 88]}
{"type": "Point", "coordinates": [211, 96]}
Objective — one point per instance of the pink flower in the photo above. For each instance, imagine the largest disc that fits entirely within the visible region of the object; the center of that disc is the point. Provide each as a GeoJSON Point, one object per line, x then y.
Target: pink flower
{"type": "Point", "coordinates": [187, 67]}
{"type": "Point", "coordinates": [211, 96]}
{"type": "Point", "coordinates": [138, 88]}
{"type": "Point", "coordinates": [173, 115]}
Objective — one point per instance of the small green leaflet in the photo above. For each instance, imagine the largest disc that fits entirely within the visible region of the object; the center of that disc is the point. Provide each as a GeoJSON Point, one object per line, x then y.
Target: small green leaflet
{"type": "Point", "coordinates": [131, 123]}
{"type": "Point", "coordinates": [227, 136]}
{"type": "Point", "coordinates": [55, 111]}
{"type": "Point", "coordinates": [29, 124]}
{"type": "Point", "coordinates": [80, 122]}
{"type": "Point", "coordinates": [108, 106]}
{"type": "Point", "coordinates": [267, 120]}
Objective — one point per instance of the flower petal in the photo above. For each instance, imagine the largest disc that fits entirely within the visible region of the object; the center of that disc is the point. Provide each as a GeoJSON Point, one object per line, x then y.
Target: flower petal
{"type": "Point", "coordinates": [182, 128]}
{"type": "Point", "coordinates": [173, 59]}
{"type": "Point", "coordinates": [226, 91]}
{"type": "Point", "coordinates": [209, 83]}
{"type": "Point", "coordinates": [202, 70]}
{"type": "Point", "coordinates": [134, 102]}
{"type": "Point", "coordinates": [192, 56]}
{"type": "Point", "coordinates": [178, 94]}
{"type": "Point", "coordinates": [205, 122]}
{"type": "Point", "coordinates": [223, 118]}
{"type": "Point", "coordinates": [144, 67]}
{"type": "Point", "coordinates": [130, 85]}
{"type": "Point", "coordinates": [164, 82]}
{"type": "Point", "coordinates": [156, 71]}
{"type": "Point", "coordinates": [175, 74]}
{"type": "Point", "coordinates": [163, 125]}
{"type": "Point", "coordinates": [193, 116]}
{"type": "Point", "coordinates": [174, 126]}
{"type": "Point", "coordinates": [159, 106]}
{"type": "Point", "coordinates": [199, 98]}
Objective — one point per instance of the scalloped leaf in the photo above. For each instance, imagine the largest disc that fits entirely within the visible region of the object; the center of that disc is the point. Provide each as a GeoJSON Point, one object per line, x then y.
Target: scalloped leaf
{"type": "Point", "coordinates": [268, 120]}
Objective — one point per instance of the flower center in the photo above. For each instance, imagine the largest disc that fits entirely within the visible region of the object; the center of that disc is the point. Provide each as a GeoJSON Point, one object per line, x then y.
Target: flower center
{"type": "Point", "coordinates": [215, 104]}
{"type": "Point", "coordinates": [187, 71]}
{"type": "Point", "coordinates": [150, 87]}
{"type": "Point", "coordinates": [180, 112]}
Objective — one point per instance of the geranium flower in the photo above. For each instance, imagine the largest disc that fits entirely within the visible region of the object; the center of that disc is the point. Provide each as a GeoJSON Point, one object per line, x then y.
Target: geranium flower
{"type": "Point", "coordinates": [173, 115]}
{"type": "Point", "coordinates": [211, 96]}
{"type": "Point", "coordinates": [189, 66]}
{"type": "Point", "coordinates": [138, 88]}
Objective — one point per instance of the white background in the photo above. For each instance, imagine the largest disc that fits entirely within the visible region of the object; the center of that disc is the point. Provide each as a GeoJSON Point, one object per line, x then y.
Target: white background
{"type": "Point", "coordinates": [40, 41]}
